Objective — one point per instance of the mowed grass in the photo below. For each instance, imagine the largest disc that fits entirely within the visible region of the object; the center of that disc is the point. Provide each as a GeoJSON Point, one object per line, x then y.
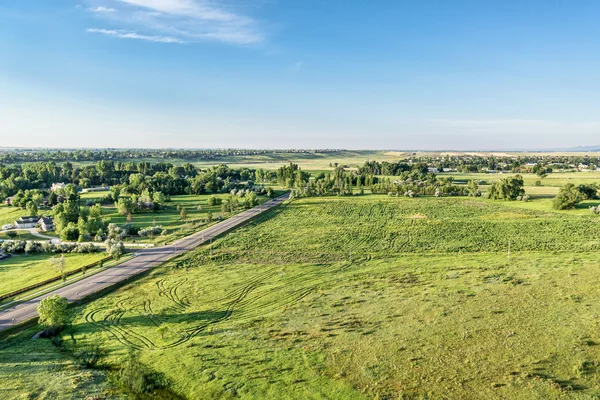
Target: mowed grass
{"type": "Point", "coordinates": [364, 297]}
{"type": "Point", "coordinates": [9, 214]}
{"type": "Point", "coordinates": [24, 270]}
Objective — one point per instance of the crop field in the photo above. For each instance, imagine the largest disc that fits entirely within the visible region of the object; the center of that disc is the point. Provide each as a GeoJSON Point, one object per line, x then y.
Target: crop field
{"type": "Point", "coordinates": [23, 270]}
{"type": "Point", "coordinates": [352, 298]}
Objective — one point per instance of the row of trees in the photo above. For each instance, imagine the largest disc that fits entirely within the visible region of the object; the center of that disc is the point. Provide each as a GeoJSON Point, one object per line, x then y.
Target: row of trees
{"type": "Point", "coordinates": [132, 177]}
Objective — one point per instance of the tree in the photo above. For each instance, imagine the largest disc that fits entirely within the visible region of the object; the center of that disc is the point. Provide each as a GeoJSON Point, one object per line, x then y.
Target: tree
{"type": "Point", "coordinates": [125, 206]}
{"type": "Point", "coordinates": [567, 197]}
{"type": "Point", "coordinates": [53, 312]}
{"type": "Point", "coordinates": [507, 189]}
{"type": "Point", "coordinates": [473, 188]}
{"type": "Point", "coordinates": [70, 232]}
{"type": "Point", "coordinates": [183, 214]}
{"type": "Point", "coordinates": [251, 200]}
{"type": "Point", "coordinates": [588, 191]}
{"type": "Point", "coordinates": [32, 209]}
{"type": "Point", "coordinates": [59, 264]}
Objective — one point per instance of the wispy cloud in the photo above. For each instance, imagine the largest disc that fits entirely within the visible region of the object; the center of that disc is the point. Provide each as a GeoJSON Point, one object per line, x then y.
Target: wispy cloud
{"type": "Point", "coordinates": [179, 21]}
{"type": "Point", "coordinates": [133, 35]}
{"type": "Point", "coordinates": [101, 9]}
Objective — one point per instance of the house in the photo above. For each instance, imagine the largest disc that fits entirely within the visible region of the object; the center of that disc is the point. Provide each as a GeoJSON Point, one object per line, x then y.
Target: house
{"type": "Point", "coordinates": [95, 189]}
{"type": "Point", "coordinates": [26, 222]}
{"type": "Point", "coordinates": [7, 227]}
{"type": "Point", "coordinates": [432, 169]}
{"type": "Point", "coordinates": [57, 186]}
{"type": "Point", "coordinates": [46, 224]}
{"type": "Point", "coordinates": [8, 201]}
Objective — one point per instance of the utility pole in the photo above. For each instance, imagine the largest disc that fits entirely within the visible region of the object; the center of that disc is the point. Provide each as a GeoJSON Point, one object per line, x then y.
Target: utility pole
{"type": "Point", "coordinates": [508, 249]}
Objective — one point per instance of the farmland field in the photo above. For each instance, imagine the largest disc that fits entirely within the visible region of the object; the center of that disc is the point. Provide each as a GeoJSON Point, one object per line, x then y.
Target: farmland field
{"type": "Point", "coordinates": [361, 297]}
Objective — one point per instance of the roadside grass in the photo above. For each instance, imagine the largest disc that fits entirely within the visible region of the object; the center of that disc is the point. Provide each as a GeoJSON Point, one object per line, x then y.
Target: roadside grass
{"type": "Point", "coordinates": [38, 291]}
{"type": "Point", "coordinates": [362, 297]}
{"type": "Point", "coordinates": [23, 270]}
{"type": "Point", "coordinates": [197, 210]}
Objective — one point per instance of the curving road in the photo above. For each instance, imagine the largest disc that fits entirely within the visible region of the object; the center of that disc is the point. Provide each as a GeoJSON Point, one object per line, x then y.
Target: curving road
{"type": "Point", "coordinates": [145, 259]}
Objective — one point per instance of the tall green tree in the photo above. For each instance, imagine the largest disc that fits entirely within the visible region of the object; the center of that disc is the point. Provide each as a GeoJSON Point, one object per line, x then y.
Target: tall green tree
{"type": "Point", "coordinates": [53, 311]}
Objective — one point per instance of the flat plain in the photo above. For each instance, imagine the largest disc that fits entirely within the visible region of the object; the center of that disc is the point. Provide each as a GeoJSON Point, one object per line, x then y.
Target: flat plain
{"type": "Point", "coordinates": [352, 297]}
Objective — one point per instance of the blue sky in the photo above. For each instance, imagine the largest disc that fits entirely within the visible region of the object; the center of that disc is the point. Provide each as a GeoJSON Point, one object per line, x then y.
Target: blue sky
{"type": "Point", "coordinates": [300, 74]}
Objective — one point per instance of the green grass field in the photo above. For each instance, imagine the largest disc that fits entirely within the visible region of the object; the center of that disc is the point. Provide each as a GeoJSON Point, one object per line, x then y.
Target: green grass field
{"type": "Point", "coordinates": [23, 270]}
{"type": "Point", "coordinates": [22, 235]}
{"type": "Point", "coordinates": [362, 297]}
{"type": "Point", "coordinates": [9, 214]}
{"type": "Point", "coordinates": [170, 219]}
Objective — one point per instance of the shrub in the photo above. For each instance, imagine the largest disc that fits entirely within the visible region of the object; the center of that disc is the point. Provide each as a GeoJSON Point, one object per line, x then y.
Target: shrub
{"type": "Point", "coordinates": [151, 231]}
{"type": "Point", "coordinates": [33, 247]}
{"type": "Point", "coordinates": [134, 379]}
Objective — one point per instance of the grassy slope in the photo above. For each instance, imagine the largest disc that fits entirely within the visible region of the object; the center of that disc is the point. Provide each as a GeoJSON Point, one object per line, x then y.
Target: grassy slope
{"type": "Point", "coordinates": [35, 369]}
{"type": "Point", "coordinates": [24, 270]}
{"type": "Point", "coordinates": [370, 296]}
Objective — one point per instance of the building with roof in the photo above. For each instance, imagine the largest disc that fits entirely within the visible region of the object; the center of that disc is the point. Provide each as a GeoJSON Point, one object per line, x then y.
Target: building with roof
{"type": "Point", "coordinates": [57, 186]}
{"type": "Point", "coordinates": [46, 224]}
{"type": "Point", "coordinates": [26, 222]}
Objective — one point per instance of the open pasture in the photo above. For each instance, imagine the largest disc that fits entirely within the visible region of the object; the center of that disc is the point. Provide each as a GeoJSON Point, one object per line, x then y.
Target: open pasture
{"type": "Point", "coordinates": [366, 297]}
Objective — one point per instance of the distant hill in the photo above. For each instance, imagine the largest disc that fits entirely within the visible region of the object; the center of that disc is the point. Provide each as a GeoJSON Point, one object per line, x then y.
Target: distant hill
{"type": "Point", "coordinates": [595, 148]}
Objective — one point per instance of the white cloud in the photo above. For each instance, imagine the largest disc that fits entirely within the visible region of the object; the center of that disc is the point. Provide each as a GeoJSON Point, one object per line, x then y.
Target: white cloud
{"type": "Point", "coordinates": [134, 35]}
{"type": "Point", "coordinates": [101, 9]}
{"type": "Point", "coordinates": [181, 20]}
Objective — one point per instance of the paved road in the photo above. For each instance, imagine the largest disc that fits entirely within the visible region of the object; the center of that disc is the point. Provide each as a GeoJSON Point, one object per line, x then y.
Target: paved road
{"type": "Point", "coordinates": [145, 259]}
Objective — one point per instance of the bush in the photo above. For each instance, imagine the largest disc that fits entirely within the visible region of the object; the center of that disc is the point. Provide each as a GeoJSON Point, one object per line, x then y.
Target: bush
{"type": "Point", "coordinates": [151, 231]}
{"type": "Point", "coordinates": [214, 201]}
{"type": "Point", "coordinates": [11, 234]}
{"type": "Point", "coordinates": [33, 247]}
{"type": "Point", "coordinates": [135, 380]}
{"type": "Point", "coordinates": [89, 355]}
